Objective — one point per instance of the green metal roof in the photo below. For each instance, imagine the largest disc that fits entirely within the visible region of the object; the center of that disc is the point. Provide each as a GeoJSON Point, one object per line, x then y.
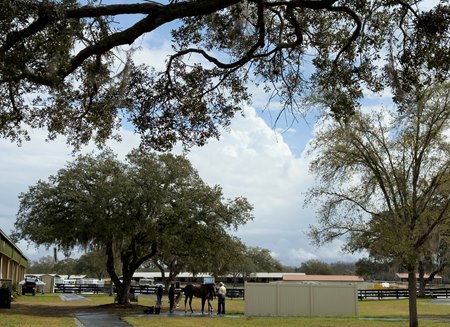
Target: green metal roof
{"type": "Point", "coordinates": [9, 249]}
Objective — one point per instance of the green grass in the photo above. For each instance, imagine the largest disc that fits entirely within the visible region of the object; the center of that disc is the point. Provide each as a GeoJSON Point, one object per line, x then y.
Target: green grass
{"type": "Point", "coordinates": [48, 310]}
{"type": "Point", "coordinates": [395, 310]}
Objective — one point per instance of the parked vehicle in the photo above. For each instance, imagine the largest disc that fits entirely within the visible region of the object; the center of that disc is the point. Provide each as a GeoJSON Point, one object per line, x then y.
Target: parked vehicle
{"type": "Point", "coordinates": [29, 287]}
{"type": "Point", "coordinates": [232, 293]}
{"type": "Point", "coordinates": [146, 282]}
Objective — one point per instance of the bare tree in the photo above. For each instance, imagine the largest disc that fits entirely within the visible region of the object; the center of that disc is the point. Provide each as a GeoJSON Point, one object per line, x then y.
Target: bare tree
{"type": "Point", "coordinates": [381, 180]}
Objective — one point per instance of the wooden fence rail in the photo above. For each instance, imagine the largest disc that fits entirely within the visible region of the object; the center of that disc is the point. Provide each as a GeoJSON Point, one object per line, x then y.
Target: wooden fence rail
{"type": "Point", "coordinates": [90, 288]}
{"type": "Point", "coordinates": [400, 293]}
{"type": "Point", "coordinates": [362, 294]}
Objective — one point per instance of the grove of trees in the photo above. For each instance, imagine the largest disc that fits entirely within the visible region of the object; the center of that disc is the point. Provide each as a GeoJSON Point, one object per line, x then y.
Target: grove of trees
{"type": "Point", "coordinates": [93, 264]}
{"type": "Point", "coordinates": [68, 67]}
{"type": "Point", "coordinates": [151, 206]}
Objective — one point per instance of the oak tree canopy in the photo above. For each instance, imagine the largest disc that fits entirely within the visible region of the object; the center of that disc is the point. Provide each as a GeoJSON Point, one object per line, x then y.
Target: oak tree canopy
{"type": "Point", "coordinates": [67, 65]}
{"type": "Point", "coordinates": [133, 211]}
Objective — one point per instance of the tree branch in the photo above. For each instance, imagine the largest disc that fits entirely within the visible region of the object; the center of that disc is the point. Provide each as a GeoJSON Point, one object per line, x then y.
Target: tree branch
{"type": "Point", "coordinates": [356, 33]}
{"type": "Point", "coordinates": [157, 15]}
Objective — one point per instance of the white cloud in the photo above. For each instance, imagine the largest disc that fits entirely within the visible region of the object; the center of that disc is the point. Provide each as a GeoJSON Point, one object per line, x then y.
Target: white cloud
{"type": "Point", "coordinates": [252, 160]}
{"type": "Point", "coordinates": [155, 56]}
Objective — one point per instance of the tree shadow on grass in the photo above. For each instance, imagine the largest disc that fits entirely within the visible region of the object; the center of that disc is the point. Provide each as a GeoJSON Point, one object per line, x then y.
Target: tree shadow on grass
{"type": "Point", "coordinates": [68, 310]}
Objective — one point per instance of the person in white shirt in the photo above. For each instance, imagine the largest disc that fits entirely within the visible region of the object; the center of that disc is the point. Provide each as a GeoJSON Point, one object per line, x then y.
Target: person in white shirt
{"type": "Point", "coordinates": [221, 298]}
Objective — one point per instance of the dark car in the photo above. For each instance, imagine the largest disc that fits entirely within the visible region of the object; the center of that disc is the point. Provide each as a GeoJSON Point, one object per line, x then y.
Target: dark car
{"type": "Point", "coordinates": [29, 287]}
{"type": "Point", "coordinates": [235, 293]}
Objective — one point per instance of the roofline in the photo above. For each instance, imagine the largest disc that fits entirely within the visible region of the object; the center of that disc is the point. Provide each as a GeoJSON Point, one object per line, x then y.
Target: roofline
{"type": "Point", "coordinates": [10, 241]}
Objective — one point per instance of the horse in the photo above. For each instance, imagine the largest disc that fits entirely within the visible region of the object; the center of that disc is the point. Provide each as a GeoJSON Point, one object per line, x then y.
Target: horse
{"type": "Point", "coordinates": [200, 291]}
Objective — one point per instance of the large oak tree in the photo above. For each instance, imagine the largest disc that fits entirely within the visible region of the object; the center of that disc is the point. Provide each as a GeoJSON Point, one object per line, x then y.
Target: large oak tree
{"type": "Point", "coordinates": [128, 209]}
{"type": "Point", "coordinates": [381, 181]}
{"type": "Point", "coordinates": [63, 65]}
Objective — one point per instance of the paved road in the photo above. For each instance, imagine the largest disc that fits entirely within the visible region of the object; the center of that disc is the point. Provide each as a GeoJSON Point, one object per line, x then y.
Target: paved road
{"type": "Point", "coordinates": [99, 320]}
{"type": "Point", "coordinates": [72, 297]}
{"type": "Point", "coordinates": [107, 320]}
{"type": "Point", "coordinates": [111, 320]}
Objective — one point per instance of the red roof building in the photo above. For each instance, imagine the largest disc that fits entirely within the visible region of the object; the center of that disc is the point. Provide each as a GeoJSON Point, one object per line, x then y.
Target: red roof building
{"type": "Point", "coordinates": [322, 278]}
{"type": "Point", "coordinates": [404, 277]}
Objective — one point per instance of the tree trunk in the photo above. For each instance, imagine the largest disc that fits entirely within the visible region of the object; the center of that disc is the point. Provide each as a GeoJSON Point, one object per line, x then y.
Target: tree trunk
{"type": "Point", "coordinates": [130, 262]}
{"type": "Point", "coordinates": [422, 282]}
{"type": "Point", "coordinates": [412, 289]}
{"type": "Point", "coordinates": [122, 287]}
{"type": "Point", "coordinates": [123, 292]}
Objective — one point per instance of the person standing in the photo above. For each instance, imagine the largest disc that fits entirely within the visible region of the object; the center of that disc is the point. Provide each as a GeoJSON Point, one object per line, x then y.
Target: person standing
{"type": "Point", "coordinates": [159, 295]}
{"type": "Point", "coordinates": [171, 296]}
{"type": "Point", "coordinates": [221, 298]}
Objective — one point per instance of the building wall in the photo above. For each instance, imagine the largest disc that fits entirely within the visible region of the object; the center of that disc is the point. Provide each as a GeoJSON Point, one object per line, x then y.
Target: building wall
{"type": "Point", "coordinates": [49, 281]}
{"type": "Point", "coordinates": [13, 263]}
{"type": "Point", "coordinates": [288, 299]}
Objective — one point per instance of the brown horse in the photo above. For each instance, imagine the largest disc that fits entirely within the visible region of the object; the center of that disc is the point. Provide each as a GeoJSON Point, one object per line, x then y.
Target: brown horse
{"type": "Point", "coordinates": [200, 291]}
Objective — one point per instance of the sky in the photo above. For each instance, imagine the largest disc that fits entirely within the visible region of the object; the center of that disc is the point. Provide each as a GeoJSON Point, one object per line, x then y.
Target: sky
{"type": "Point", "coordinates": [253, 159]}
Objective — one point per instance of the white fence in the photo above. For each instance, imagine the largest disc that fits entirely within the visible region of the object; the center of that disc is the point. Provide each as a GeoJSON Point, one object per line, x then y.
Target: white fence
{"type": "Point", "coordinates": [294, 299]}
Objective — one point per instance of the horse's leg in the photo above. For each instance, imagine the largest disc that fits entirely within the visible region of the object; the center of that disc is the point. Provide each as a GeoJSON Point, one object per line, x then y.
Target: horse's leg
{"type": "Point", "coordinates": [185, 301]}
{"type": "Point", "coordinates": [203, 304]}
{"type": "Point", "coordinates": [190, 304]}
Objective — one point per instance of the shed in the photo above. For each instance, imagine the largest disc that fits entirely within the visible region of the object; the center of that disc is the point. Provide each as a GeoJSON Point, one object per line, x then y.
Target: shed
{"type": "Point", "coordinates": [299, 299]}
{"type": "Point", "coordinates": [49, 280]}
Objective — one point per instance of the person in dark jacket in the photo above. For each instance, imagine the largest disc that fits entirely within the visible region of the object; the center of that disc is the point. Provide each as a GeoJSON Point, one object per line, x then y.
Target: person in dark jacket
{"type": "Point", "coordinates": [159, 295]}
{"type": "Point", "coordinates": [171, 297]}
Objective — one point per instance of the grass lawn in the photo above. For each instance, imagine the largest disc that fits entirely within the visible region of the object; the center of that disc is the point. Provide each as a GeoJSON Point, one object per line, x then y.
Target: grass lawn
{"type": "Point", "coordinates": [48, 310]}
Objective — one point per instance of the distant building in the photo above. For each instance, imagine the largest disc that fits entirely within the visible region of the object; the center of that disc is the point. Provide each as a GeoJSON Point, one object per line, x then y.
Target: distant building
{"type": "Point", "coordinates": [403, 277]}
{"type": "Point", "coordinates": [186, 277]}
{"type": "Point", "coordinates": [13, 263]}
{"type": "Point", "coordinates": [183, 277]}
{"type": "Point", "coordinates": [323, 278]}
{"type": "Point", "coordinates": [48, 279]}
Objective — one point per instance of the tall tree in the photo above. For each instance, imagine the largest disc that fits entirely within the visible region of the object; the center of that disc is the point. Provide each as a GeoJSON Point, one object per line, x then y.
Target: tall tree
{"type": "Point", "coordinates": [67, 266]}
{"type": "Point", "coordinates": [216, 254]}
{"type": "Point", "coordinates": [342, 268]}
{"type": "Point", "coordinates": [251, 260]}
{"type": "Point", "coordinates": [125, 208]}
{"type": "Point", "coordinates": [44, 265]}
{"type": "Point", "coordinates": [435, 258]}
{"type": "Point", "coordinates": [373, 269]}
{"type": "Point", "coordinates": [262, 260]}
{"type": "Point", "coordinates": [65, 55]}
{"type": "Point", "coordinates": [380, 179]}
{"type": "Point", "coordinates": [315, 267]}
{"type": "Point", "coordinates": [93, 264]}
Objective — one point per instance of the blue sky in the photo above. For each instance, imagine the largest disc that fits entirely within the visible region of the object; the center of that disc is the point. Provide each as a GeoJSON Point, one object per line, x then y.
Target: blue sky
{"type": "Point", "coordinates": [255, 159]}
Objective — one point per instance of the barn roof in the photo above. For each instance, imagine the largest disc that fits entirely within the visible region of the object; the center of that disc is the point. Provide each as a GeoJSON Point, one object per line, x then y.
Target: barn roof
{"type": "Point", "coordinates": [405, 276]}
{"type": "Point", "coordinates": [322, 278]}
